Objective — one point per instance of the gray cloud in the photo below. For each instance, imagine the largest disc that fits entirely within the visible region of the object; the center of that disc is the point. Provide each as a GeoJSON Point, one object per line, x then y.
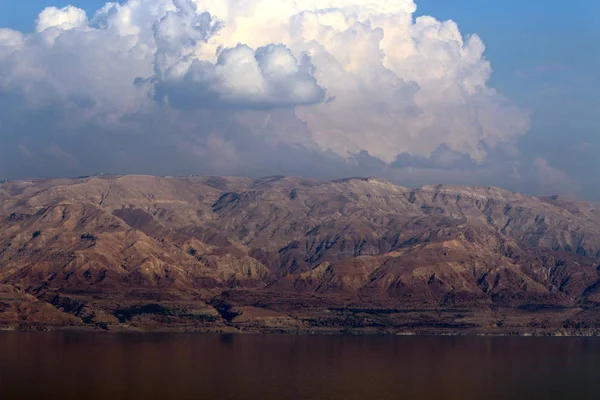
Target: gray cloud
{"type": "Point", "coordinates": [442, 157]}
{"type": "Point", "coordinates": [270, 77]}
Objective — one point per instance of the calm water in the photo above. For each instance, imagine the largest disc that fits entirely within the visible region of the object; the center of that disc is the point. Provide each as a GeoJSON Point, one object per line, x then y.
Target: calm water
{"type": "Point", "coordinates": [104, 366]}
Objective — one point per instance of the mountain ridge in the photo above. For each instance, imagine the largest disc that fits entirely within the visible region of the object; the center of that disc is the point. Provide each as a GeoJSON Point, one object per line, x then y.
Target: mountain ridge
{"type": "Point", "coordinates": [291, 254]}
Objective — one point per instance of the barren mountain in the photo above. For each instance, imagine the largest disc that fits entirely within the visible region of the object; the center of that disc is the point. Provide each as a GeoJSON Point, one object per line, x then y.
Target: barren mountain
{"type": "Point", "coordinates": [283, 254]}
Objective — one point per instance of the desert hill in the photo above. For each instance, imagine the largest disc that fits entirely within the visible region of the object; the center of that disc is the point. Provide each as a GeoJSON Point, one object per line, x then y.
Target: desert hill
{"type": "Point", "coordinates": [288, 254]}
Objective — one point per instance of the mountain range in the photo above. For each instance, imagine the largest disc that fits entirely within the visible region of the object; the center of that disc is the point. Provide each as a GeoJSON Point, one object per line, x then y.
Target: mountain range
{"type": "Point", "coordinates": [289, 254]}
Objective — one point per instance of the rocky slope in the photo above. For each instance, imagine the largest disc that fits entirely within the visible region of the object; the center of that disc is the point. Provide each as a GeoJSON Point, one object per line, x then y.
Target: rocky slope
{"type": "Point", "coordinates": [290, 254]}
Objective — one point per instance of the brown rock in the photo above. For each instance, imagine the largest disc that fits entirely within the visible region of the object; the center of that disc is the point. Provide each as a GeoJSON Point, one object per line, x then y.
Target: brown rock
{"type": "Point", "coordinates": [293, 254]}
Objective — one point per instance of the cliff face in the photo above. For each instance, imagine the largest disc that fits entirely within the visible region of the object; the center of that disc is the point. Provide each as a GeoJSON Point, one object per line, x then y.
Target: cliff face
{"type": "Point", "coordinates": [293, 254]}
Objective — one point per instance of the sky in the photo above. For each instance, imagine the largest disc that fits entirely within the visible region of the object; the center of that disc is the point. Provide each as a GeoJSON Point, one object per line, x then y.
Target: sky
{"type": "Point", "coordinates": [418, 92]}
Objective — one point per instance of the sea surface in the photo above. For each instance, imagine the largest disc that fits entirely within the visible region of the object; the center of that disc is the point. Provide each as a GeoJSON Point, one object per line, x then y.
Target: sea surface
{"type": "Point", "coordinates": [197, 366]}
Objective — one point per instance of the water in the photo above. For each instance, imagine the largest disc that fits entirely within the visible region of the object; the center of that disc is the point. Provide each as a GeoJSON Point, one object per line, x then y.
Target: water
{"type": "Point", "coordinates": [181, 366]}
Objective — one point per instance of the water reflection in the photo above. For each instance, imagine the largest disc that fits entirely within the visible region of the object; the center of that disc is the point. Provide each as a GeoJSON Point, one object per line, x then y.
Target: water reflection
{"type": "Point", "coordinates": [161, 366]}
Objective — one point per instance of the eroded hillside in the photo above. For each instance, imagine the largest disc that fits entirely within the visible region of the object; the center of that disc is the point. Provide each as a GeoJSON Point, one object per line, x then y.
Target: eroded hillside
{"type": "Point", "coordinates": [293, 254]}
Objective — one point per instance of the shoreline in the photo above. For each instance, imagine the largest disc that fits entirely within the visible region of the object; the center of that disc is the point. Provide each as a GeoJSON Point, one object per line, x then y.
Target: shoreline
{"type": "Point", "coordinates": [281, 332]}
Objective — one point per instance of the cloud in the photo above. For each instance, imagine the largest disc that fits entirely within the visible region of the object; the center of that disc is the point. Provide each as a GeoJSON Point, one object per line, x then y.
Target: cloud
{"type": "Point", "coordinates": [250, 86]}
{"type": "Point", "coordinates": [441, 158]}
{"type": "Point", "coordinates": [64, 18]}
{"type": "Point", "coordinates": [552, 180]}
{"type": "Point", "coordinates": [269, 77]}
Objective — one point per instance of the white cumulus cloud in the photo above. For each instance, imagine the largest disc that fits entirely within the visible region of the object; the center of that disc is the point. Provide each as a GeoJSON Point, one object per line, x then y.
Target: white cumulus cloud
{"type": "Point", "coordinates": [271, 76]}
{"type": "Point", "coordinates": [348, 79]}
{"type": "Point", "coordinates": [61, 18]}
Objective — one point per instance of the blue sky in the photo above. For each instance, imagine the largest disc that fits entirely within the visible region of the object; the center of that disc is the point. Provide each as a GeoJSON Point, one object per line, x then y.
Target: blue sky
{"type": "Point", "coordinates": [545, 57]}
{"type": "Point", "coordinates": [18, 14]}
